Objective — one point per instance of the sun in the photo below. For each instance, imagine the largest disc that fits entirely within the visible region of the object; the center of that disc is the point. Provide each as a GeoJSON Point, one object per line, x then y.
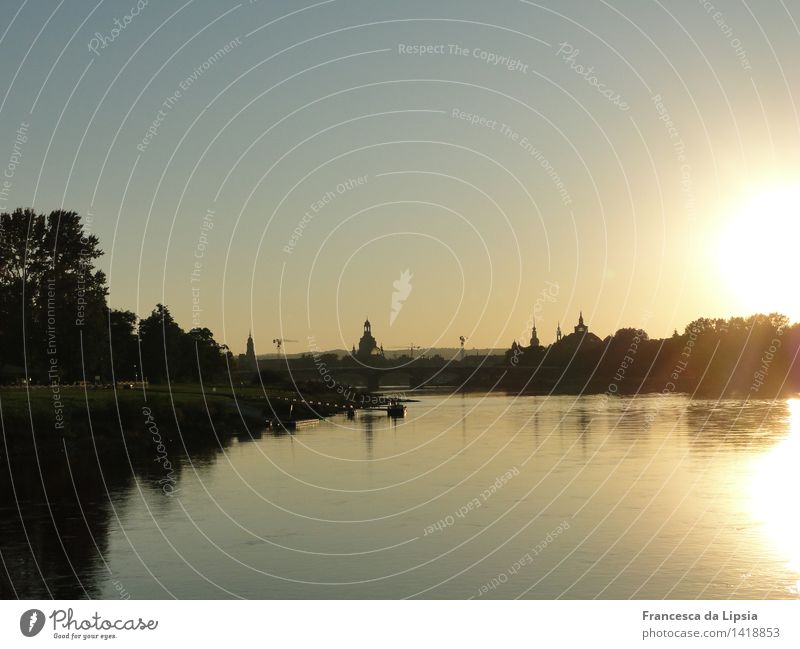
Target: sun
{"type": "Point", "coordinates": [757, 253]}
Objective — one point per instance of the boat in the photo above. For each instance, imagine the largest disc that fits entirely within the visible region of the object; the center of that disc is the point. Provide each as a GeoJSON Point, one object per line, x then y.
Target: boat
{"type": "Point", "coordinates": [291, 422]}
{"type": "Point", "coordinates": [396, 409]}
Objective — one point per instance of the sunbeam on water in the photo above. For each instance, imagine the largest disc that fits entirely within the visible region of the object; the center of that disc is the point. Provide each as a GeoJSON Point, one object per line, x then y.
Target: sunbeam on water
{"type": "Point", "coordinates": [483, 496]}
{"type": "Point", "coordinates": [773, 491]}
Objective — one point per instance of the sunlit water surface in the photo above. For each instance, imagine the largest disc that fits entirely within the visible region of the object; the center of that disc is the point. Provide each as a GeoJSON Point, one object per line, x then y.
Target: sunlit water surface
{"type": "Point", "coordinates": [473, 496]}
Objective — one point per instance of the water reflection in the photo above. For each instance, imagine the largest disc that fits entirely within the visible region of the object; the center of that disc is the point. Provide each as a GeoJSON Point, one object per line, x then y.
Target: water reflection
{"type": "Point", "coordinates": [774, 488]}
{"type": "Point", "coordinates": [58, 507]}
{"type": "Point", "coordinates": [736, 424]}
{"type": "Point", "coordinates": [53, 530]}
{"type": "Point", "coordinates": [367, 421]}
{"type": "Point", "coordinates": [679, 498]}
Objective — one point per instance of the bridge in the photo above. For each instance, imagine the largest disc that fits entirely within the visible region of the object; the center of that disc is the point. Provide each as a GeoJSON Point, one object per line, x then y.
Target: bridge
{"type": "Point", "coordinates": [419, 373]}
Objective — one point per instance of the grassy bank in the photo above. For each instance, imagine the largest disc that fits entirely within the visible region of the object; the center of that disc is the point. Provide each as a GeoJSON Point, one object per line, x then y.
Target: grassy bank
{"type": "Point", "coordinates": [78, 413]}
{"type": "Point", "coordinates": [195, 412]}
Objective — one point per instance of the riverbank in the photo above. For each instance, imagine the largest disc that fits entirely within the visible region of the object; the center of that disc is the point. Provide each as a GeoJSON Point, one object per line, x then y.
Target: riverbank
{"type": "Point", "coordinates": [186, 411]}
{"type": "Point", "coordinates": [81, 412]}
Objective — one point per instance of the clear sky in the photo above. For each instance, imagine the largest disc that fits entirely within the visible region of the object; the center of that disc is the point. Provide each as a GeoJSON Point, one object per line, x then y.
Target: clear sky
{"type": "Point", "coordinates": [277, 165]}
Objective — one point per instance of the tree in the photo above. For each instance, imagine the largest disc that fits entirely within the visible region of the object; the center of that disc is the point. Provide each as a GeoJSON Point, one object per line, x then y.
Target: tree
{"type": "Point", "coordinates": [627, 335]}
{"type": "Point", "coordinates": [170, 353]}
{"type": "Point", "coordinates": [52, 298]}
{"type": "Point", "coordinates": [207, 353]}
{"type": "Point", "coordinates": [123, 349]}
{"type": "Point", "coordinates": [162, 346]}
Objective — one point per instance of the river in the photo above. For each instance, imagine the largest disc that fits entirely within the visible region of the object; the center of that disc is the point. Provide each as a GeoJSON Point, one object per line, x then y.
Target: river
{"type": "Point", "coordinates": [469, 496]}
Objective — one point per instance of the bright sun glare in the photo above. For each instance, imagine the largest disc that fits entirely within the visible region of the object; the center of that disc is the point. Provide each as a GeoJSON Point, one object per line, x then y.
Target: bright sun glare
{"type": "Point", "coordinates": [773, 492]}
{"type": "Point", "coordinates": [757, 253]}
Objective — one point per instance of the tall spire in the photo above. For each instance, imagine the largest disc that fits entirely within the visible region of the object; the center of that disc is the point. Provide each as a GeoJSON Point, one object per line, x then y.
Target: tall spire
{"type": "Point", "coordinates": [367, 346]}
{"type": "Point", "coordinates": [581, 328]}
{"type": "Point", "coordinates": [534, 337]}
{"type": "Point", "coordinates": [250, 354]}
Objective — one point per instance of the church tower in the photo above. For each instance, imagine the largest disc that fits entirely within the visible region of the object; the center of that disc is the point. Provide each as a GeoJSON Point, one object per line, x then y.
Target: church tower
{"type": "Point", "coordinates": [581, 328]}
{"type": "Point", "coordinates": [558, 333]}
{"type": "Point", "coordinates": [367, 346]}
{"type": "Point", "coordinates": [534, 337]}
{"type": "Point", "coordinates": [250, 355]}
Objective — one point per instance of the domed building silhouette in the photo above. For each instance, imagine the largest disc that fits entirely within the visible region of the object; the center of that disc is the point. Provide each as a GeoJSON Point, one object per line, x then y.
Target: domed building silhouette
{"type": "Point", "coordinates": [367, 346]}
{"type": "Point", "coordinates": [580, 337]}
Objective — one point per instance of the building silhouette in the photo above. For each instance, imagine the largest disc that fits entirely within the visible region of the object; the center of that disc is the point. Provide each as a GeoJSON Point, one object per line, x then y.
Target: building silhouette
{"type": "Point", "coordinates": [367, 346]}
{"type": "Point", "coordinates": [580, 337]}
{"type": "Point", "coordinates": [534, 337]}
{"type": "Point", "coordinates": [248, 359]}
{"type": "Point", "coordinates": [567, 344]}
{"type": "Point", "coordinates": [581, 328]}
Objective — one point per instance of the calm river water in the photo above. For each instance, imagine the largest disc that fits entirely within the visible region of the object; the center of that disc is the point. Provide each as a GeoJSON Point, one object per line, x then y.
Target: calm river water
{"type": "Point", "coordinates": [470, 496]}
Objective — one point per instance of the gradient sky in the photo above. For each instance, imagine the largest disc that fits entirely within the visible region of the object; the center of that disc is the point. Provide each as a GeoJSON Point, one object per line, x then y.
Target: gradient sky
{"type": "Point", "coordinates": [310, 95]}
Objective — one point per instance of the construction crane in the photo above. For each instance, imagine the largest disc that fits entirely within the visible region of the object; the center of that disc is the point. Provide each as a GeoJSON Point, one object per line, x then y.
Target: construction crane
{"type": "Point", "coordinates": [278, 342]}
{"type": "Point", "coordinates": [410, 349]}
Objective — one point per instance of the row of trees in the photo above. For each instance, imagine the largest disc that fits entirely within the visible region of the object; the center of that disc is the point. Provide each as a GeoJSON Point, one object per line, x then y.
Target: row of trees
{"type": "Point", "coordinates": [757, 356]}
{"type": "Point", "coordinates": [55, 322]}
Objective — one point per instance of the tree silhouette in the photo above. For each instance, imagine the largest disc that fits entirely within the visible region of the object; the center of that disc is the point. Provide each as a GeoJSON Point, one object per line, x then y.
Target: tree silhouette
{"type": "Point", "coordinates": [55, 324]}
{"type": "Point", "coordinates": [52, 298]}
